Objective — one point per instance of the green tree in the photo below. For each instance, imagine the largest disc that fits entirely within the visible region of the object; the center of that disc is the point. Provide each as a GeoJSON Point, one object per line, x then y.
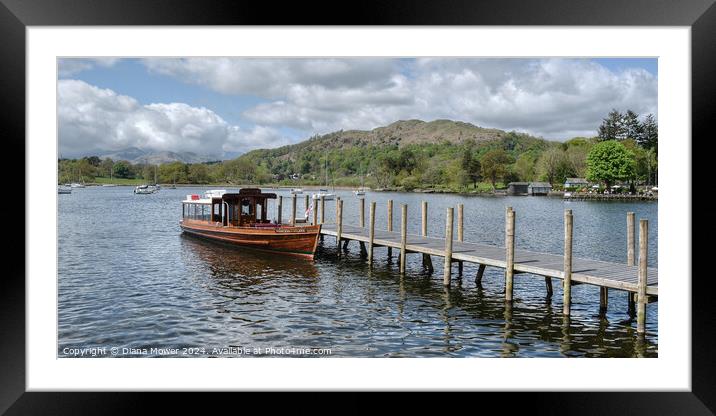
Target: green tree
{"type": "Point", "coordinates": [494, 165]}
{"type": "Point", "coordinates": [610, 161]}
{"type": "Point", "coordinates": [576, 155]}
{"type": "Point", "coordinates": [105, 167]}
{"type": "Point", "coordinates": [525, 167]}
{"type": "Point", "coordinates": [239, 171]}
{"type": "Point", "coordinates": [198, 173]}
{"type": "Point", "coordinates": [550, 163]}
{"type": "Point", "coordinates": [564, 170]}
{"type": "Point", "coordinates": [122, 169]}
{"type": "Point", "coordinates": [632, 126]}
{"type": "Point", "coordinates": [93, 160]}
{"type": "Point", "coordinates": [649, 137]}
{"type": "Point", "coordinates": [148, 173]}
{"type": "Point", "coordinates": [471, 166]}
{"type": "Point", "coordinates": [612, 127]}
{"type": "Point", "coordinates": [433, 175]}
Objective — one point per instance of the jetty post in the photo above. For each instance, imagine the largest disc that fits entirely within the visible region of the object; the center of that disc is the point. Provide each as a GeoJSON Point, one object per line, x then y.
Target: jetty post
{"type": "Point", "coordinates": [631, 261]}
{"type": "Point", "coordinates": [424, 218]}
{"type": "Point", "coordinates": [509, 252]}
{"type": "Point", "coordinates": [403, 235]}
{"type": "Point", "coordinates": [371, 233]}
{"type": "Point", "coordinates": [567, 282]}
{"type": "Point", "coordinates": [361, 215]}
{"type": "Point", "coordinates": [279, 208]}
{"type": "Point", "coordinates": [459, 234]}
{"type": "Point", "coordinates": [427, 260]}
{"type": "Point", "coordinates": [308, 203]}
{"type": "Point", "coordinates": [293, 210]}
{"type": "Point", "coordinates": [339, 223]}
{"type": "Point", "coordinates": [323, 209]}
{"type": "Point", "coordinates": [447, 268]}
{"type": "Point", "coordinates": [480, 272]}
{"type": "Point", "coordinates": [390, 224]}
{"type": "Point", "coordinates": [643, 261]}
{"type": "Point", "coordinates": [315, 211]}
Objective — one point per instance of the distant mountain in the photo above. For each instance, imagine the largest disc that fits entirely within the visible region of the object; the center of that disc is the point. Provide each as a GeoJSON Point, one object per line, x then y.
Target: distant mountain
{"type": "Point", "coordinates": [129, 154]}
{"type": "Point", "coordinates": [136, 156]}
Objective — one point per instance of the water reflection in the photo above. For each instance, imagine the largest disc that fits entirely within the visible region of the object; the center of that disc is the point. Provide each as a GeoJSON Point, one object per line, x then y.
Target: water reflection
{"type": "Point", "coordinates": [250, 265]}
{"type": "Point", "coordinates": [161, 288]}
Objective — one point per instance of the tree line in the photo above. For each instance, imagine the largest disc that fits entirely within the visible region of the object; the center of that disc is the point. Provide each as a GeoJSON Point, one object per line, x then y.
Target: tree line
{"type": "Point", "coordinates": [625, 149]}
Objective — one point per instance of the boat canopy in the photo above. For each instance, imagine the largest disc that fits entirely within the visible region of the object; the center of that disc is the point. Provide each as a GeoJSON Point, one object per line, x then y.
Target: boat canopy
{"type": "Point", "coordinates": [248, 193]}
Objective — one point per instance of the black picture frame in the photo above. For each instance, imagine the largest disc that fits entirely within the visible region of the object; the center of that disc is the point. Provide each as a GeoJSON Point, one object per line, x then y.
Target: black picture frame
{"type": "Point", "coordinates": [16, 15]}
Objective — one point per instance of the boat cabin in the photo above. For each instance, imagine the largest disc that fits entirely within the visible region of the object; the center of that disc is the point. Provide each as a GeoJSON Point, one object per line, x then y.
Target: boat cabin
{"type": "Point", "coordinates": [247, 208]}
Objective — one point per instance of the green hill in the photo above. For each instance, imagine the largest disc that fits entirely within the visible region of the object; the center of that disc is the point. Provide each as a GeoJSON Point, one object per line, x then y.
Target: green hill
{"type": "Point", "coordinates": [411, 153]}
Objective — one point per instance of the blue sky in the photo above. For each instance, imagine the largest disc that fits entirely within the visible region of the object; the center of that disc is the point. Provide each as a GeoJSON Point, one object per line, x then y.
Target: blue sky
{"type": "Point", "coordinates": [226, 106]}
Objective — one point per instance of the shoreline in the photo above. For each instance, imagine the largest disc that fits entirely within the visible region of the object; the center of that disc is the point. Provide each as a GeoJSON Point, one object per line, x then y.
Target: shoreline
{"type": "Point", "coordinates": [492, 193]}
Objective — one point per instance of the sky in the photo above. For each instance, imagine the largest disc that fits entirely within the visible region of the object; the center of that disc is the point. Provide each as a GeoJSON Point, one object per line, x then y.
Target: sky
{"type": "Point", "coordinates": [222, 107]}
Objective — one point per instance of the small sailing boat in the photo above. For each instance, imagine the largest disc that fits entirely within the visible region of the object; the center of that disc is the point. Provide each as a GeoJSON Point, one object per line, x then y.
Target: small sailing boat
{"type": "Point", "coordinates": [174, 184]}
{"type": "Point", "coordinates": [323, 192]}
{"type": "Point", "coordinates": [157, 187]}
{"type": "Point", "coordinates": [144, 189]}
{"type": "Point", "coordinates": [80, 182]}
{"type": "Point", "coordinates": [361, 191]}
{"type": "Point", "coordinates": [110, 179]}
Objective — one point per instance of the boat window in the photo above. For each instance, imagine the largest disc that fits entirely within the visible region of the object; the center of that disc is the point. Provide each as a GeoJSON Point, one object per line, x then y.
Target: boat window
{"type": "Point", "coordinates": [246, 206]}
{"type": "Point", "coordinates": [259, 209]}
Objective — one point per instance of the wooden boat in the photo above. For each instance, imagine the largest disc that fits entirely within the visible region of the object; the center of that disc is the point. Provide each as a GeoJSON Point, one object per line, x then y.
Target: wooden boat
{"type": "Point", "coordinates": [240, 219]}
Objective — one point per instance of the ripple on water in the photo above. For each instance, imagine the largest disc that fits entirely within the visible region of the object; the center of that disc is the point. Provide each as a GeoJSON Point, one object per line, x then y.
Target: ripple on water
{"type": "Point", "coordinates": [127, 277]}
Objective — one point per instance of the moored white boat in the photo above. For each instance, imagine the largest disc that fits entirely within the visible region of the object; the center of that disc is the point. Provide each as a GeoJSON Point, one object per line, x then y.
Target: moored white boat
{"type": "Point", "coordinates": [144, 189]}
{"type": "Point", "coordinates": [323, 193]}
{"type": "Point", "coordinates": [64, 190]}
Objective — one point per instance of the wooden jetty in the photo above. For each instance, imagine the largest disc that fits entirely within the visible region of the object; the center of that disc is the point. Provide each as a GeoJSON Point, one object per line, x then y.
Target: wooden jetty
{"type": "Point", "coordinates": [634, 277]}
{"type": "Point", "coordinates": [584, 196]}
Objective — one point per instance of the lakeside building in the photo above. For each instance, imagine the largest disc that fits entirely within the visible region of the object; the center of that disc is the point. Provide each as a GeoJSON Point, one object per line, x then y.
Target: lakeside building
{"type": "Point", "coordinates": [576, 183]}
{"type": "Point", "coordinates": [539, 188]}
{"type": "Point", "coordinates": [518, 188]}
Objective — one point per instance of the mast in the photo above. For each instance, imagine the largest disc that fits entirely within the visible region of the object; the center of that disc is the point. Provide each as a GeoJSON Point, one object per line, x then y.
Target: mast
{"type": "Point", "coordinates": [326, 168]}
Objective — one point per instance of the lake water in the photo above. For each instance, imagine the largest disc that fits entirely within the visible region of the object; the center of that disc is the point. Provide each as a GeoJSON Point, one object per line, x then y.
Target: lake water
{"type": "Point", "coordinates": [129, 279]}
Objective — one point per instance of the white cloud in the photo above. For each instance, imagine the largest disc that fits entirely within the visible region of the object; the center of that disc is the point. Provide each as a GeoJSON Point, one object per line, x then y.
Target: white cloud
{"type": "Point", "coordinates": [71, 66]}
{"type": "Point", "coordinates": [271, 78]}
{"type": "Point", "coordinates": [95, 119]}
{"type": "Point", "coordinates": [554, 98]}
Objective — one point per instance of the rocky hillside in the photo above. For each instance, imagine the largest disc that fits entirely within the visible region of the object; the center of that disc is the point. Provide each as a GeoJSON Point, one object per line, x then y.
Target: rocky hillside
{"type": "Point", "coordinates": [400, 133]}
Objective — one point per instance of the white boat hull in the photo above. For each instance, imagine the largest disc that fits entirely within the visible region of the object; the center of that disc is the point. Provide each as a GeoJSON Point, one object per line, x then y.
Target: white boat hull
{"type": "Point", "coordinates": [326, 197]}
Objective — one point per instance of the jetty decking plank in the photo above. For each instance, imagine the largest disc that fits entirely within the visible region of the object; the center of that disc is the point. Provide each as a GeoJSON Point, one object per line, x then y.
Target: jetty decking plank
{"type": "Point", "coordinates": [589, 271]}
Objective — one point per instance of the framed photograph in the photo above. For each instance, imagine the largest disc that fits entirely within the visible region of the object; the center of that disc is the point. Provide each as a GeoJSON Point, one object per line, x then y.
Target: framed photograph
{"type": "Point", "coordinates": [463, 198]}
